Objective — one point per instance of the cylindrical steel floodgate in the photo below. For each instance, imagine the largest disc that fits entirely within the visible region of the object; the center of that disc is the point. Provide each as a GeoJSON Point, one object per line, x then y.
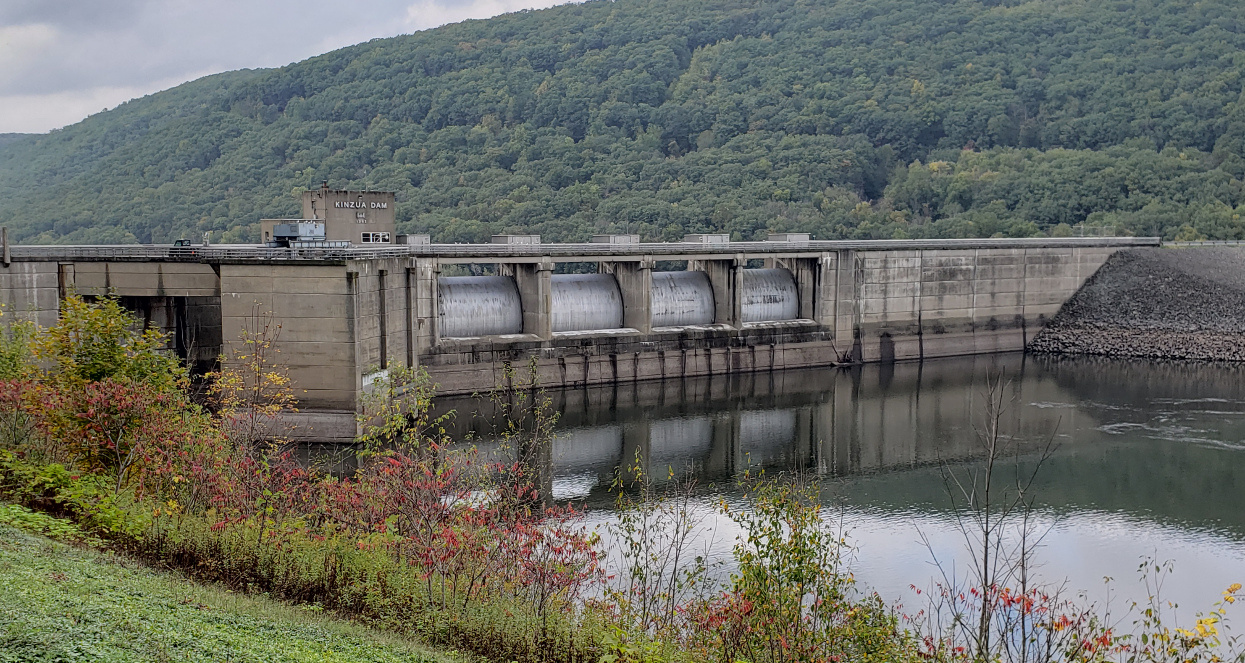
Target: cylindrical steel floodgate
{"type": "Point", "coordinates": [478, 306]}
{"type": "Point", "coordinates": [682, 298]}
{"type": "Point", "coordinates": [769, 295]}
{"type": "Point", "coordinates": [585, 302]}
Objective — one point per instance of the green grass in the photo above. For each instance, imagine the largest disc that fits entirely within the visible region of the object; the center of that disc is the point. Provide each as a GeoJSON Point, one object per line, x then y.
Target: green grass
{"type": "Point", "coordinates": [64, 603]}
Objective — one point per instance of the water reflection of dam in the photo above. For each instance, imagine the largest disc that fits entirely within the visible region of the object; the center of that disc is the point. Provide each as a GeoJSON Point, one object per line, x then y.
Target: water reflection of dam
{"type": "Point", "coordinates": [712, 445]}
{"type": "Point", "coordinates": [833, 421]}
{"type": "Point", "coordinates": [1151, 461]}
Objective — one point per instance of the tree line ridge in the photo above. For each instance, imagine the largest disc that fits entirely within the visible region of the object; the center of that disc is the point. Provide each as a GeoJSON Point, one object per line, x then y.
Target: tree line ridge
{"type": "Point", "coordinates": [869, 119]}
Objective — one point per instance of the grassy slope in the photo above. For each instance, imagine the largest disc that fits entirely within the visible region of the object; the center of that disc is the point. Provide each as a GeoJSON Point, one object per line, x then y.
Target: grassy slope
{"type": "Point", "coordinates": [60, 603]}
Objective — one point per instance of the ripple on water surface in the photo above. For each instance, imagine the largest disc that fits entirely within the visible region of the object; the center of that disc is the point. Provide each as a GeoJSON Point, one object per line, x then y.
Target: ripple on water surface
{"type": "Point", "coordinates": [1150, 458]}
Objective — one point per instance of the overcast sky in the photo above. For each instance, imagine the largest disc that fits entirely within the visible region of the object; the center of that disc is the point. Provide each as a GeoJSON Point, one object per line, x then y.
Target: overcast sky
{"type": "Point", "coordinates": [62, 60]}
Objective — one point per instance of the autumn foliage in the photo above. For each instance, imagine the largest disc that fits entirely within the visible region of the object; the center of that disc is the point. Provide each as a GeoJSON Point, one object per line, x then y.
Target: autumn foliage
{"type": "Point", "coordinates": [97, 422]}
{"type": "Point", "coordinates": [426, 535]}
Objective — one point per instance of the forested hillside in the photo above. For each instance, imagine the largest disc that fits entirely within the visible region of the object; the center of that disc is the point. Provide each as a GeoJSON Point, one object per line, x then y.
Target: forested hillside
{"type": "Point", "coordinates": [9, 138]}
{"type": "Point", "coordinates": [847, 119]}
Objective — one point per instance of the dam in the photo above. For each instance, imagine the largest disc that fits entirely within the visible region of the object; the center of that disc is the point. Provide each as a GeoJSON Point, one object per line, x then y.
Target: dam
{"type": "Point", "coordinates": [475, 316]}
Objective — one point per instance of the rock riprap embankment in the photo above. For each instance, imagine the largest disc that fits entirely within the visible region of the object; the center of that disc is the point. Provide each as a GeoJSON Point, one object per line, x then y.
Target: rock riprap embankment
{"type": "Point", "coordinates": [1157, 303]}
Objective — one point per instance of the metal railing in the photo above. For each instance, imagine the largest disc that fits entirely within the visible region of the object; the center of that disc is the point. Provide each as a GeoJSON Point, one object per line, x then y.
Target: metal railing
{"type": "Point", "coordinates": [242, 252]}
{"type": "Point", "coordinates": [224, 253]}
{"type": "Point", "coordinates": [1208, 242]}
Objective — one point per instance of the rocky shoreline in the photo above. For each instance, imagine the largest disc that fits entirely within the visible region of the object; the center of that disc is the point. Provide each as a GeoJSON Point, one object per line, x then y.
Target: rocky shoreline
{"type": "Point", "coordinates": [1156, 304]}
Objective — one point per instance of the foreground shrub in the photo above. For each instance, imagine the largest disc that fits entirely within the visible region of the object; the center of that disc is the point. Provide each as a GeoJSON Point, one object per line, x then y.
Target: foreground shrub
{"type": "Point", "coordinates": [425, 537]}
{"type": "Point", "coordinates": [790, 599]}
{"type": "Point", "coordinates": [787, 599]}
{"type": "Point", "coordinates": [19, 517]}
{"type": "Point", "coordinates": [429, 537]}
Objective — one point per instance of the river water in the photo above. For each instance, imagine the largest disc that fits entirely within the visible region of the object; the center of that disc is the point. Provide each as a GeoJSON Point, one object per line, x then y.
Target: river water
{"type": "Point", "coordinates": [1148, 461]}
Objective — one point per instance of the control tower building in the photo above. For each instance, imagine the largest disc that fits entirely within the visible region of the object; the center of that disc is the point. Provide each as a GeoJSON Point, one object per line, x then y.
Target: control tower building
{"type": "Point", "coordinates": [336, 217]}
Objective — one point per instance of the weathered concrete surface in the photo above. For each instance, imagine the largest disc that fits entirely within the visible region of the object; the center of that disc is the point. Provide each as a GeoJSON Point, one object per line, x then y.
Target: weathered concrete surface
{"type": "Point", "coordinates": [1156, 303]}
{"type": "Point", "coordinates": [868, 304]}
{"type": "Point", "coordinates": [346, 316]}
{"type": "Point", "coordinates": [31, 291]}
{"type": "Point", "coordinates": [315, 309]}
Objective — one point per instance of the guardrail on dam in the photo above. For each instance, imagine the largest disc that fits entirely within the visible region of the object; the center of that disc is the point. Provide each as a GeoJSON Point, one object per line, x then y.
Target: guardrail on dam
{"type": "Point", "coordinates": [583, 313]}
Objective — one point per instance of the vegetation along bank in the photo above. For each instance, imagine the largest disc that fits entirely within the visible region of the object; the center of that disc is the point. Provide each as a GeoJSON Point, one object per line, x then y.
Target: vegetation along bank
{"type": "Point", "coordinates": [62, 602]}
{"type": "Point", "coordinates": [103, 442]}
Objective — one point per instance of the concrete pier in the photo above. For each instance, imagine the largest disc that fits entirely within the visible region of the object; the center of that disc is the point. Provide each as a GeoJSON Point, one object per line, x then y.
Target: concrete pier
{"type": "Point", "coordinates": [579, 313]}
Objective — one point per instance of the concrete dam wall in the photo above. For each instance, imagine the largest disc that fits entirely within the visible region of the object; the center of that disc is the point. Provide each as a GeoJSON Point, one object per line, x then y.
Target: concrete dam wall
{"type": "Point", "coordinates": [1159, 303]}
{"type": "Point", "coordinates": [763, 306]}
{"type": "Point", "coordinates": [346, 315]}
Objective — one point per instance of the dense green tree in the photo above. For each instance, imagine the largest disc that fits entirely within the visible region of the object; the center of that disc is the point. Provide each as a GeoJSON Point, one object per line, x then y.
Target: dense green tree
{"type": "Point", "coordinates": [864, 119]}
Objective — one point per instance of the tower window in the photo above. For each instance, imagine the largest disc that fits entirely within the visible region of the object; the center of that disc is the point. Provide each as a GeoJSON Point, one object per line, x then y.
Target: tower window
{"type": "Point", "coordinates": [375, 238]}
